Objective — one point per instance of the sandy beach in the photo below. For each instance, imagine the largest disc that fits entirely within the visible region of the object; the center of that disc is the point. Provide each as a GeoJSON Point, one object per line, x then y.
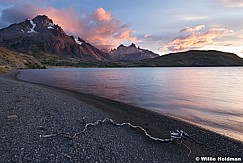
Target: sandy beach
{"type": "Point", "coordinates": [38, 122]}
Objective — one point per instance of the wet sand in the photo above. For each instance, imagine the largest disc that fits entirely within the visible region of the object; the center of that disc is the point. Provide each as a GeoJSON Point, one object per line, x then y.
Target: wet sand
{"type": "Point", "coordinates": [31, 111]}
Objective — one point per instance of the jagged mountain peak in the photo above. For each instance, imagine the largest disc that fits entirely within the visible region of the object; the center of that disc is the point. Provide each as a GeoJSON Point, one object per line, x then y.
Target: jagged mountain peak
{"type": "Point", "coordinates": [39, 24]}
{"type": "Point", "coordinates": [131, 52]}
{"type": "Point", "coordinates": [43, 18]}
{"type": "Point", "coordinates": [130, 46]}
{"type": "Point", "coordinates": [120, 46]}
{"type": "Point", "coordinates": [44, 21]}
{"type": "Point", "coordinates": [133, 45]}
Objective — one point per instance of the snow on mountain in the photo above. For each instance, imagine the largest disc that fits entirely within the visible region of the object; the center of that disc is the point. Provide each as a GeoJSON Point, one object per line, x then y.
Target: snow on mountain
{"type": "Point", "coordinates": [78, 41]}
{"type": "Point", "coordinates": [32, 30]}
{"type": "Point", "coordinates": [50, 27]}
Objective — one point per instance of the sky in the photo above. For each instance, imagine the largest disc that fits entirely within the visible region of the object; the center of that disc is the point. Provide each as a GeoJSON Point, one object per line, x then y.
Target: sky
{"type": "Point", "coordinates": [163, 26]}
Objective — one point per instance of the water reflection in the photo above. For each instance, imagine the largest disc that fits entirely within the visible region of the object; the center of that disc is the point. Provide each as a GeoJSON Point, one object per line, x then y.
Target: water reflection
{"type": "Point", "coordinates": [210, 97]}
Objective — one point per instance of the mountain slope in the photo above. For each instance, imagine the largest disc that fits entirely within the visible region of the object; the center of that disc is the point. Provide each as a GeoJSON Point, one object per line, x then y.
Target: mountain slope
{"type": "Point", "coordinates": [10, 59]}
{"type": "Point", "coordinates": [194, 58]}
{"type": "Point", "coordinates": [41, 36]}
{"type": "Point", "coordinates": [131, 53]}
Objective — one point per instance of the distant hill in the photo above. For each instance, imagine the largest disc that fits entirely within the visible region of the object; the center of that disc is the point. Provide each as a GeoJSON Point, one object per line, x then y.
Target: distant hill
{"type": "Point", "coordinates": [131, 53]}
{"type": "Point", "coordinates": [41, 38]}
{"type": "Point", "coordinates": [194, 58]}
{"type": "Point", "coordinates": [10, 59]}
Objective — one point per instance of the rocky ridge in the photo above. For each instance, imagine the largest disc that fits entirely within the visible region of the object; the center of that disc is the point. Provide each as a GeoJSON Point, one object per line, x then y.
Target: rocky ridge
{"type": "Point", "coordinates": [131, 53]}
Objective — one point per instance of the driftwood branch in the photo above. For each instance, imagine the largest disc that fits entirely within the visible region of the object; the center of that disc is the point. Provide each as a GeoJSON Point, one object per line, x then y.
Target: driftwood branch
{"type": "Point", "coordinates": [178, 136]}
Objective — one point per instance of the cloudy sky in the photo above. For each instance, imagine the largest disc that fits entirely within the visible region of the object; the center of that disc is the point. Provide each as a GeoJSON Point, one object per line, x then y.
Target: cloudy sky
{"type": "Point", "coordinates": [160, 25]}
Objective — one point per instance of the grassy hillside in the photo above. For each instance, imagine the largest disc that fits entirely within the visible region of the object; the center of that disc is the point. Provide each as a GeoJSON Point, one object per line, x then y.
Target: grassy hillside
{"type": "Point", "coordinates": [10, 60]}
{"type": "Point", "coordinates": [194, 58]}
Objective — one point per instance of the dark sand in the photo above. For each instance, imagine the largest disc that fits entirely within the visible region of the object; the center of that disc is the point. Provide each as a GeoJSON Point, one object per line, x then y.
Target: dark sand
{"type": "Point", "coordinates": [29, 110]}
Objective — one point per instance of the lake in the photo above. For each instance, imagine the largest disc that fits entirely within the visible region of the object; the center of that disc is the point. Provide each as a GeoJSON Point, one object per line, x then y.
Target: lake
{"type": "Point", "coordinates": [209, 97]}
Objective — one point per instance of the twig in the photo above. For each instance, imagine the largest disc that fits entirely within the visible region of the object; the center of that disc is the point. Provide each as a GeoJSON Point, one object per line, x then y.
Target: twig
{"type": "Point", "coordinates": [48, 136]}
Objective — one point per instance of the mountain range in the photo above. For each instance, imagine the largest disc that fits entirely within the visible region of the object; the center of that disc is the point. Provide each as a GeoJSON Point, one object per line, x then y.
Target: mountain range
{"type": "Point", "coordinates": [37, 42]}
{"type": "Point", "coordinates": [131, 53]}
{"type": "Point", "coordinates": [43, 39]}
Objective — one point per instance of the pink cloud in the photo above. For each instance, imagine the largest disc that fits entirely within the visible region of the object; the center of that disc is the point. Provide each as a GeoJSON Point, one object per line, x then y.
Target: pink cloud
{"type": "Point", "coordinates": [147, 35]}
{"type": "Point", "coordinates": [193, 38]}
{"type": "Point", "coordinates": [197, 28]}
{"type": "Point", "coordinates": [102, 15]}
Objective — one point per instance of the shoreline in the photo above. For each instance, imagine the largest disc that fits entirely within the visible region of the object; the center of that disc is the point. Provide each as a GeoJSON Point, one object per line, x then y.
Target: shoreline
{"type": "Point", "coordinates": [211, 144]}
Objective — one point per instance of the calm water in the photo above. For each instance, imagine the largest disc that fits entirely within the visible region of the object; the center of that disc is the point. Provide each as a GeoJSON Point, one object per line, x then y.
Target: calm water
{"type": "Point", "coordinates": [209, 97]}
